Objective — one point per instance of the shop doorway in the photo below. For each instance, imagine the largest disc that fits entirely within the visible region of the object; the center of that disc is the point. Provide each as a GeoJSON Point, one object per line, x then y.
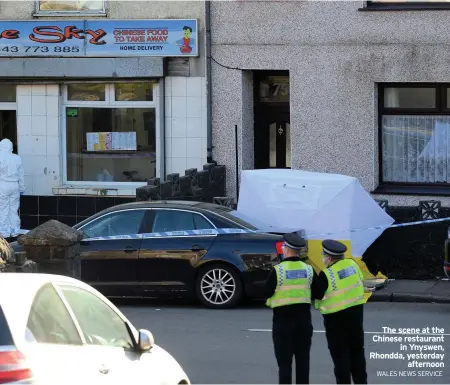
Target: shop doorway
{"type": "Point", "coordinates": [272, 134]}
{"type": "Point", "coordinates": [8, 127]}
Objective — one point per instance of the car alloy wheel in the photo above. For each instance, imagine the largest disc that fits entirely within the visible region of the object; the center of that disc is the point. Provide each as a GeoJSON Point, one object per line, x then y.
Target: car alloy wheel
{"type": "Point", "coordinates": [218, 286]}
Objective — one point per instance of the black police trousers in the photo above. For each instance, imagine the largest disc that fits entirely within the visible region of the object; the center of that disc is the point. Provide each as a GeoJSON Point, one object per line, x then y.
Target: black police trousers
{"type": "Point", "coordinates": [292, 340]}
{"type": "Point", "coordinates": [345, 337]}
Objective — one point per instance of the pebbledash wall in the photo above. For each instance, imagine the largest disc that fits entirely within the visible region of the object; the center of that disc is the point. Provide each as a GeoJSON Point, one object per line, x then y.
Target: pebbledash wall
{"type": "Point", "coordinates": [57, 98]}
{"type": "Point", "coordinates": [367, 96]}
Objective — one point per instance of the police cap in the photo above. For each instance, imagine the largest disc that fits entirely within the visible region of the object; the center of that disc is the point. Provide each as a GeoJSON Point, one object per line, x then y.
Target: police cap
{"type": "Point", "coordinates": [293, 241]}
{"type": "Point", "coordinates": [334, 248]}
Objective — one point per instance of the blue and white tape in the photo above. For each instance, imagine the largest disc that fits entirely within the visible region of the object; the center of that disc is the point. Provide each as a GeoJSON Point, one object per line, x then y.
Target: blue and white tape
{"type": "Point", "coordinates": [213, 232]}
{"type": "Point", "coordinates": [384, 227]}
{"type": "Point", "coordinates": [183, 233]}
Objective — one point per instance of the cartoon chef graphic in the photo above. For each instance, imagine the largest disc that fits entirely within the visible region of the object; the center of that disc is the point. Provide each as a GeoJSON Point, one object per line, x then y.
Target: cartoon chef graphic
{"type": "Point", "coordinates": [186, 42]}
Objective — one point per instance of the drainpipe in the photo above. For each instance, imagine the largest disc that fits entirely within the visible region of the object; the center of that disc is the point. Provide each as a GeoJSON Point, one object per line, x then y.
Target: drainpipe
{"type": "Point", "coordinates": [208, 81]}
{"type": "Point", "coordinates": [162, 122]}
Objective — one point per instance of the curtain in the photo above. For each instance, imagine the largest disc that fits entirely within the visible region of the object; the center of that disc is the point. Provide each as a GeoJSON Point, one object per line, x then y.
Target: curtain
{"type": "Point", "coordinates": [416, 149]}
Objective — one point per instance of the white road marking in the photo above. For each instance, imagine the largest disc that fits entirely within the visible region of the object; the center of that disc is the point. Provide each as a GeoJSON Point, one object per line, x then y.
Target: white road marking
{"type": "Point", "coordinates": [323, 331]}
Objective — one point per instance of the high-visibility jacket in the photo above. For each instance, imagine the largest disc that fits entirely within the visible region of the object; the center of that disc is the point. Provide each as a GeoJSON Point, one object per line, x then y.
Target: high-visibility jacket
{"type": "Point", "coordinates": [345, 287]}
{"type": "Point", "coordinates": [294, 279]}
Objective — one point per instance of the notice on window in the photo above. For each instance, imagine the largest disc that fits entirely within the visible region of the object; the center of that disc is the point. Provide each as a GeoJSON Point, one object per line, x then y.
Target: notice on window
{"type": "Point", "coordinates": [99, 141]}
{"type": "Point", "coordinates": [107, 141]}
{"type": "Point", "coordinates": [91, 140]}
{"type": "Point", "coordinates": [124, 141]}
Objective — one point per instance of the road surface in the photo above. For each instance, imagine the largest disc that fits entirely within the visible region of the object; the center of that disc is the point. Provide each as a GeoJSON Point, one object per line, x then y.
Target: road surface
{"type": "Point", "coordinates": [235, 346]}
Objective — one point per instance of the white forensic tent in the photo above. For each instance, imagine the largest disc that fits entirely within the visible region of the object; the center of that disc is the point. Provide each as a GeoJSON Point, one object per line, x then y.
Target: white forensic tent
{"type": "Point", "coordinates": [283, 200]}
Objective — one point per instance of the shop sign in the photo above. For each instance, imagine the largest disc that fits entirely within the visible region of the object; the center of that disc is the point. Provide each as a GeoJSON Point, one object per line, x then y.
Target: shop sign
{"type": "Point", "coordinates": [99, 38]}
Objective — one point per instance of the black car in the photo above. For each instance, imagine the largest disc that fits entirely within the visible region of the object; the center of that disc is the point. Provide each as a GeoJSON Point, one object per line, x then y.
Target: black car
{"type": "Point", "coordinates": [220, 269]}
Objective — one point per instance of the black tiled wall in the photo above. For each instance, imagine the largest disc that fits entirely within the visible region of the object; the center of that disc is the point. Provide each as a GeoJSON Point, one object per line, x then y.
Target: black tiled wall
{"type": "Point", "coordinates": [36, 210]}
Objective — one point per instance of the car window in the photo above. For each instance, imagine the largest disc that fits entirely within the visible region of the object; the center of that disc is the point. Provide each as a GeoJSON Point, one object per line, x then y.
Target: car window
{"type": "Point", "coordinates": [118, 223]}
{"type": "Point", "coordinates": [175, 220]}
{"type": "Point", "coordinates": [100, 324]}
{"type": "Point", "coordinates": [6, 338]}
{"type": "Point", "coordinates": [201, 223]}
{"type": "Point", "coordinates": [49, 320]}
{"type": "Point", "coordinates": [238, 218]}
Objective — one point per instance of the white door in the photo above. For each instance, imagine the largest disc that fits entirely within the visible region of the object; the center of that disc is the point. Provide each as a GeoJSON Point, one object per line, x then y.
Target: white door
{"type": "Point", "coordinates": [54, 347]}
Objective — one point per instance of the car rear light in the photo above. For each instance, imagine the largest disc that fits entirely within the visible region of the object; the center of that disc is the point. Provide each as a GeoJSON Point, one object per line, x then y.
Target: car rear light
{"type": "Point", "coordinates": [279, 247]}
{"type": "Point", "coordinates": [13, 367]}
{"type": "Point", "coordinates": [447, 266]}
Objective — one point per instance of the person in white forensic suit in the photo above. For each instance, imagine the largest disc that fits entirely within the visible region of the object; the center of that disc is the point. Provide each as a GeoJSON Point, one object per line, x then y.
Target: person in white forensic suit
{"type": "Point", "coordinates": [12, 185]}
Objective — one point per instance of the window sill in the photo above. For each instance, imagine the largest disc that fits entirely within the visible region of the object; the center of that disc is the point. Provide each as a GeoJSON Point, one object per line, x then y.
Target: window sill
{"type": "Point", "coordinates": [93, 191]}
{"type": "Point", "coordinates": [405, 8]}
{"type": "Point", "coordinates": [412, 190]}
{"type": "Point", "coordinates": [69, 14]}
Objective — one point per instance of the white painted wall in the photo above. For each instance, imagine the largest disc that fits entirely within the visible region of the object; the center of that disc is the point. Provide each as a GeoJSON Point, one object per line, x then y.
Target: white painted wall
{"type": "Point", "coordinates": [185, 123]}
{"type": "Point", "coordinates": [38, 137]}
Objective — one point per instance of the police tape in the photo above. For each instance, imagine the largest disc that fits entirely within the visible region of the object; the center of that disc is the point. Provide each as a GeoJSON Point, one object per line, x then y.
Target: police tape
{"type": "Point", "coordinates": [181, 233]}
{"type": "Point", "coordinates": [214, 232]}
{"type": "Point", "coordinates": [386, 227]}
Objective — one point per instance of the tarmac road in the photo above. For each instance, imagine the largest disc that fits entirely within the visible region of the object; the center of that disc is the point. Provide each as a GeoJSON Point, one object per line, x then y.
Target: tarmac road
{"type": "Point", "coordinates": [235, 346]}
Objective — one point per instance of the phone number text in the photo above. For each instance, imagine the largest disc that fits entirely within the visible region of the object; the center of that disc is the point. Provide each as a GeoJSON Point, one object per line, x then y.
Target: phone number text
{"type": "Point", "coordinates": [39, 49]}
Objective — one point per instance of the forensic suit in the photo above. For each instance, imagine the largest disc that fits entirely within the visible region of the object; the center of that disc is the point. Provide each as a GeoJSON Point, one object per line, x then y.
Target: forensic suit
{"type": "Point", "coordinates": [11, 185]}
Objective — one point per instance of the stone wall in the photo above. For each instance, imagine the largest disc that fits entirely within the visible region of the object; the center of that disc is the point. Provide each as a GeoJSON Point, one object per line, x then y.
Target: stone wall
{"type": "Point", "coordinates": [203, 185]}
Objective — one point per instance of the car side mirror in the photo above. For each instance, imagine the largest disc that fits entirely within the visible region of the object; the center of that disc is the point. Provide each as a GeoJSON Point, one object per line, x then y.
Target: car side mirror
{"type": "Point", "coordinates": [146, 340]}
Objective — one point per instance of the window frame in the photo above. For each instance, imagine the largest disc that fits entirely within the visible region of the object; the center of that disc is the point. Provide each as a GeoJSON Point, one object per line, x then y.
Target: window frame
{"type": "Point", "coordinates": [65, 13]}
{"type": "Point", "coordinates": [110, 103]}
{"type": "Point", "coordinates": [66, 307]}
{"type": "Point", "coordinates": [9, 106]}
{"type": "Point", "coordinates": [154, 212]}
{"type": "Point", "coordinates": [405, 188]}
{"type": "Point", "coordinates": [142, 227]}
{"type": "Point", "coordinates": [405, 6]}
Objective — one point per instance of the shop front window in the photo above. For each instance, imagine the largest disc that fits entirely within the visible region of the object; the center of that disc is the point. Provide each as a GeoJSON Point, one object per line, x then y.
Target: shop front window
{"type": "Point", "coordinates": [7, 93]}
{"type": "Point", "coordinates": [87, 92]}
{"type": "Point", "coordinates": [108, 140]}
{"type": "Point", "coordinates": [137, 92]}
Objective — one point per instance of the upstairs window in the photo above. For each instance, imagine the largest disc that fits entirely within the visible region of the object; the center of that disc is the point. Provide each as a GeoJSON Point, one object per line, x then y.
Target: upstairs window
{"type": "Point", "coordinates": [407, 5]}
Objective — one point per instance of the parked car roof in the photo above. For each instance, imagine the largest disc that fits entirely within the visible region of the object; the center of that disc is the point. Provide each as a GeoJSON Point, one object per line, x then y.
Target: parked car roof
{"type": "Point", "coordinates": [25, 281]}
{"type": "Point", "coordinates": [170, 203]}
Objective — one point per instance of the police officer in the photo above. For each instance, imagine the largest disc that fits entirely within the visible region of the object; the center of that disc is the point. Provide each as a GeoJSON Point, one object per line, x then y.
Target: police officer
{"type": "Point", "coordinates": [339, 294]}
{"type": "Point", "coordinates": [288, 289]}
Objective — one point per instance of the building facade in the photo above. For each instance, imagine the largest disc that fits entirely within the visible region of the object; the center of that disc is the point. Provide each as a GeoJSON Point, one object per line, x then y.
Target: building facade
{"type": "Point", "coordinates": [98, 97]}
{"type": "Point", "coordinates": [350, 87]}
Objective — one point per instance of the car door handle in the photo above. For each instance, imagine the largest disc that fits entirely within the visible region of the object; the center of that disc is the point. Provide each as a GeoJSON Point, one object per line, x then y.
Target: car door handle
{"type": "Point", "coordinates": [103, 370]}
{"type": "Point", "coordinates": [129, 249]}
{"type": "Point", "coordinates": [196, 248]}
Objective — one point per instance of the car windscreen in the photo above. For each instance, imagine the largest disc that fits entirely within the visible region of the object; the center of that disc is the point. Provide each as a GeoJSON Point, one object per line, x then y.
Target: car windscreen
{"type": "Point", "coordinates": [5, 334]}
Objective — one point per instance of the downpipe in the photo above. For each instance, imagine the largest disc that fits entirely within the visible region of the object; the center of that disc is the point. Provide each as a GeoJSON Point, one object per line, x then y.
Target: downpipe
{"type": "Point", "coordinates": [208, 81]}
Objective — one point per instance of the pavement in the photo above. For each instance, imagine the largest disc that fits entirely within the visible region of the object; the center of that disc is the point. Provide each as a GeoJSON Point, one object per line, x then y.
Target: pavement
{"type": "Point", "coordinates": [403, 290]}
{"type": "Point", "coordinates": [235, 346]}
